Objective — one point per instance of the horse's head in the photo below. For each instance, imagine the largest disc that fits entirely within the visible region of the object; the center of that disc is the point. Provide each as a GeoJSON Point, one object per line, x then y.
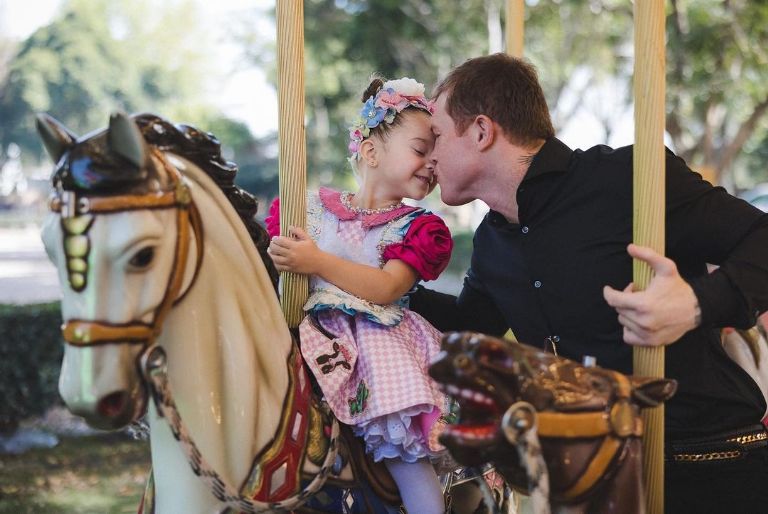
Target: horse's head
{"type": "Point", "coordinates": [489, 376]}
{"type": "Point", "coordinates": [126, 236]}
{"type": "Point", "coordinates": [123, 235]}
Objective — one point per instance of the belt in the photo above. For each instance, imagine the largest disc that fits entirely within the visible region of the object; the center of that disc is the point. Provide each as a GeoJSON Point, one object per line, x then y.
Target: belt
{"type": "Point", "coordinates": [723, 446]}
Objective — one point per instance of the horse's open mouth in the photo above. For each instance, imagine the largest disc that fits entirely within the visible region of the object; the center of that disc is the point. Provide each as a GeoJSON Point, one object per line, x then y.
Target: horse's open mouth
{"type": "Point", "coordinates": [478, 416]}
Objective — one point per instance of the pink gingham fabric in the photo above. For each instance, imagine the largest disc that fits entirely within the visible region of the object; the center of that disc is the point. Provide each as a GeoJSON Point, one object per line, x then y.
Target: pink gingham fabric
{"type": "Point", "coordinates": [392, 362]}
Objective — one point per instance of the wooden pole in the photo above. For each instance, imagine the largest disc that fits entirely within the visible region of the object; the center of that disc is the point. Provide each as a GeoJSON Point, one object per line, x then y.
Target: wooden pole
{"type": "Point", "coordinates": [293, 144]}
{"type": "Point", "coordinates": [649, 206]}
{"type": "Point", "coordinates": [515, 27]}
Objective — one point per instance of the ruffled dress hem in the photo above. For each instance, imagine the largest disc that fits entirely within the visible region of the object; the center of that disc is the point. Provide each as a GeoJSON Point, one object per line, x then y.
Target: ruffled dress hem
{"type": "Point", "coordinates": [400, 435]}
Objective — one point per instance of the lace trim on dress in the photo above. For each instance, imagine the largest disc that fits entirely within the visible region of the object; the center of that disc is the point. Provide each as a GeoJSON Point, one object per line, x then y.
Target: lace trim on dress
{"type": "Point", "coordinates": [321, 299]}
{"type": "Point", "coordinates": [314, 215]}
{"type": "Point", "coordinates": [396, 436]}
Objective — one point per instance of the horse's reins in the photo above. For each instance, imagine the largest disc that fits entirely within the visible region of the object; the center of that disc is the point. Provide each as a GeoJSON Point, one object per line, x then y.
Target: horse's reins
{"type": "Point", "coordinates": [88, 332]}
{"type": "Point", "coordinates": [616, 426]}
{"type": "Point", "coordinates": [76, 219]}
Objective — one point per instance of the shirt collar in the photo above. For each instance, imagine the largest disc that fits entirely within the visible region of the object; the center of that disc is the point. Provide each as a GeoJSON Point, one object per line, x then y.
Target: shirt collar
{"type": "Point", "coordinates": [331, 200]}
{"type": "Point", "coordinates": [553, 156]}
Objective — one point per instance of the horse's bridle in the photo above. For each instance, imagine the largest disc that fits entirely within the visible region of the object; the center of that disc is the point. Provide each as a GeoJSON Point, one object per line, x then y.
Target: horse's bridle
{"type": "Point", "coordinates": [76, 218]}
{"type": "Point", "coordinates": [623, 421]}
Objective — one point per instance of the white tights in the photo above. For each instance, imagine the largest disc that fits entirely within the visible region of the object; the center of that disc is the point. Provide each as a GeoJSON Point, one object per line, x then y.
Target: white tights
{"type": "Point", "coordinates": [418, 484]}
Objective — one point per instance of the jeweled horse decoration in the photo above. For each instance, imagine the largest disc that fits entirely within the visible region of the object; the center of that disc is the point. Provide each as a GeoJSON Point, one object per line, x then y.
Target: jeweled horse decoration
{"type": "Point", "coordinates": [168, 294]}
{"type": "Point", "coordinates": [548, 423]}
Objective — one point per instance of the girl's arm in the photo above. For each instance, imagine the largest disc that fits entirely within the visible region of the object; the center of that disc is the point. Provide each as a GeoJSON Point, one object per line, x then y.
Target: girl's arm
{"type": "Point", "coordinates": [301, 255]}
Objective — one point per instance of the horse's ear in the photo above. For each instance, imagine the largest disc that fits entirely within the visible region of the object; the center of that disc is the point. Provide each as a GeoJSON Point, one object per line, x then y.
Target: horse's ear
{"type": "Point", "coordinates": [124, 138]}
{"type": "Point", "coordinates": [57, 139]}
{"type": "Point", "coordinates": [650, 392]}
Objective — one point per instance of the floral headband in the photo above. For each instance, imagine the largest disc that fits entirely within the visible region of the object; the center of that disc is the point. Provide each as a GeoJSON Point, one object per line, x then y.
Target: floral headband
{"type": "Point", "coordinates": [391, 99]}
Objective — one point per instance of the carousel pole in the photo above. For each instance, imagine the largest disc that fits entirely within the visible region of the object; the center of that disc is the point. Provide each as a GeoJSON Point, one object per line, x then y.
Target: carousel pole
{"type": "Point", "coordinates": [515, 27]}
{"type": "Point", "coordinates": [293, 145]}
{"type": "Point", "coordinates": [649, 207]}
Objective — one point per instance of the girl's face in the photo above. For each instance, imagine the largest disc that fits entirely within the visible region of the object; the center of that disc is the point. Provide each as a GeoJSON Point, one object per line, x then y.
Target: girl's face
{"type": "Point", "coordinates": [404, 169]}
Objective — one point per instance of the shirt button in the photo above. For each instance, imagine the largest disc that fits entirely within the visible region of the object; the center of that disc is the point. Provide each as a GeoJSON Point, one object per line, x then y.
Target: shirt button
{"type": "Point", "coordinates": [537, 284]}
{"type": "Point", "coordinates": [524, 229]}
{"type": "Point", "coordinates": [556, 339]}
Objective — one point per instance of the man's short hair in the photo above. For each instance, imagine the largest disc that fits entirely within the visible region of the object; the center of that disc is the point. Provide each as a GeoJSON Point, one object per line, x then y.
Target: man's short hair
{"type": "Point", "coordinates": [505, 89]}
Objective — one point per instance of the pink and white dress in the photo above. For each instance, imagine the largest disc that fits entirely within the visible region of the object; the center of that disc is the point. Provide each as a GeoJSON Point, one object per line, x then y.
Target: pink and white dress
{"type": "Point", "coordinates": [371, 360]}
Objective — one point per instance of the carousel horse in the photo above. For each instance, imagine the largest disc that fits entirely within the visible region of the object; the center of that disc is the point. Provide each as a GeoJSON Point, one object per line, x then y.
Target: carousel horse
{"type": "Point", "coordinates": [548, 423]}
{"type": "Point", "coordinates": [171, 309]}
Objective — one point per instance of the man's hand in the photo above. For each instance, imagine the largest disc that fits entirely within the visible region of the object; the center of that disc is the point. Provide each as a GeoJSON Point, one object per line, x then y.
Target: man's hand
{"type": "Point", "coordinates": [297, 254]}
{"type": "Point", "coordinates": [662, 313]}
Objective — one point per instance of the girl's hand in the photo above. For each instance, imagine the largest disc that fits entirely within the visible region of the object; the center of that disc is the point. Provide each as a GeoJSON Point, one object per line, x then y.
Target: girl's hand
{"type": "Point", "coordinates": [296, 254]}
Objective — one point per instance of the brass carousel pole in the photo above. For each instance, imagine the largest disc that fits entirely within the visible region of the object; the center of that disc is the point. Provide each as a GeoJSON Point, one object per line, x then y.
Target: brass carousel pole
{"type": "Point", "coordinates": [515, 27]}
{"type": "Point", "coordinates": [649, 194]}
{"type": "Point", "coordinates": [293, 145]}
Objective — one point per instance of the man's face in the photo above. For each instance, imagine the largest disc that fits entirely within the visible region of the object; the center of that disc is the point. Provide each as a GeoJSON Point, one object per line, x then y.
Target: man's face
{"type": "Point", "coordinates": [453, 156]}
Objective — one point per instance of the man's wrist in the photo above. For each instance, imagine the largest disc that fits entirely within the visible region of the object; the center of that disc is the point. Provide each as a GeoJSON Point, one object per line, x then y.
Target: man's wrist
{"type": "Point", "coordinates": [696, 312]}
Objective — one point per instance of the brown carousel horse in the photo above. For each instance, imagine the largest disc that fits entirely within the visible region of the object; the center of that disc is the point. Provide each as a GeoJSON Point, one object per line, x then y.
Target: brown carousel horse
{"type": "Point", "coordinates": [548, 423]}
{"type": "Point", "coordinates": [170, 309]}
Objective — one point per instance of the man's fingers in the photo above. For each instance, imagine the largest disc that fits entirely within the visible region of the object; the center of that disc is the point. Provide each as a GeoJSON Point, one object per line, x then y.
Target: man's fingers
{"type": "Point", "coordinates": [621, 299]}
{"type": "Point", "coordinates": [660, 264]}
{"type": "Point", "coordinates": [631, 337]}
{"type": "Point", "coordinates": [627, 322]}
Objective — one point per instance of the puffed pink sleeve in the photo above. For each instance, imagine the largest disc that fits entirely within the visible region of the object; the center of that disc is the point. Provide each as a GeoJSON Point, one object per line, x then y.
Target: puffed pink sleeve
{"type": "Point", "coordinates": [426, 246]}
{"type": "Point", "coordinates": [273, 218]}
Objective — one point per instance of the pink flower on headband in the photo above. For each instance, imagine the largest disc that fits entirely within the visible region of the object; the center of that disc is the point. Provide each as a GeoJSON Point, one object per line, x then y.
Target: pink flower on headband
{"type": "Point", "coordinates": [389, 99]}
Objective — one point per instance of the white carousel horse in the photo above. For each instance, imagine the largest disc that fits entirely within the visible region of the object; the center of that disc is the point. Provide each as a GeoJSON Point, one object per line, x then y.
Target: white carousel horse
{"type": "Point", "coordinates": [163, 286]}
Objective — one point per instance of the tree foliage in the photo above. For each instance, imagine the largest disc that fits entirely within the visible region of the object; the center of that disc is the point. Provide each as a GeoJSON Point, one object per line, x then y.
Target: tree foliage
{"type": "Point", "coordinates": [717, 94]}
{"type": "Point", "coordinates": [716, 63]}
{"type": "Point", "coordinates": [99, 56]}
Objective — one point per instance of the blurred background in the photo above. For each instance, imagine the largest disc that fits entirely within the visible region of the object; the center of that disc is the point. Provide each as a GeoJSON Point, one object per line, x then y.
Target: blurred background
{"type": "Point", "coordinates": [212, 64]}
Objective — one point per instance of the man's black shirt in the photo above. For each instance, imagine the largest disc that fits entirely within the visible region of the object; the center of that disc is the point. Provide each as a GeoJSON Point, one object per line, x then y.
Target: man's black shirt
{"type": "Point", "coordinates": [543, 277]}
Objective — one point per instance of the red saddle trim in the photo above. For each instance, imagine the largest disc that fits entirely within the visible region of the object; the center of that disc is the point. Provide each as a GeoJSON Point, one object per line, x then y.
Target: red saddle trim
{"type": "Point", "coordinates": [267, 481]}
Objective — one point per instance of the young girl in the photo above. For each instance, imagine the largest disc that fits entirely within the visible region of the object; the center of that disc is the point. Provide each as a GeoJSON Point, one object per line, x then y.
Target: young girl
{"type": "Point", "coordinates": [364, 251]}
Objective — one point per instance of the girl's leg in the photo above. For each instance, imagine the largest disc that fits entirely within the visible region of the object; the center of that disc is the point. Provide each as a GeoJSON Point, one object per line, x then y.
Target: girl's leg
{"type": "Point", "coordinates": [418, 485]}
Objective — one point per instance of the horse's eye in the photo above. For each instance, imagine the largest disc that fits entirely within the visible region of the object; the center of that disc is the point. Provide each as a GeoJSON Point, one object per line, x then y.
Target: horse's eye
{"type": "Point", "coordinates": [143, 257]}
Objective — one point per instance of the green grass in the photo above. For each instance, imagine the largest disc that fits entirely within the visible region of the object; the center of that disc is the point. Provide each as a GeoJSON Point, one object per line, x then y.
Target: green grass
{"type": "Point", "coordinates": [102, 474]}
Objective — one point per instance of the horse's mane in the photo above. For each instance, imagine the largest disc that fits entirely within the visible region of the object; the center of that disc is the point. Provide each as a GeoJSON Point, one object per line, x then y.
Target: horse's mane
{"type": "Point", "coordinates": [204, 150]}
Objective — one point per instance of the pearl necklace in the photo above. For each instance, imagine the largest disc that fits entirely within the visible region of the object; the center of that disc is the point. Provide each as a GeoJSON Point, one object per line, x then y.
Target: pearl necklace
{"type": "Point", "coordinates": [346, 201]}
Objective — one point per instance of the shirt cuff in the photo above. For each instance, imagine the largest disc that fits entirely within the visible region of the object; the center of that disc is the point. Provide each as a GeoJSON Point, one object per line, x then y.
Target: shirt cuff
{"type": "Point", "coordinates": [721, 304]}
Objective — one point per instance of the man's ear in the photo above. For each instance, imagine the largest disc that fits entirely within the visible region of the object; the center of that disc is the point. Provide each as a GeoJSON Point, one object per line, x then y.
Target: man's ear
{"type": "Point", "coordinates": [484, 132]}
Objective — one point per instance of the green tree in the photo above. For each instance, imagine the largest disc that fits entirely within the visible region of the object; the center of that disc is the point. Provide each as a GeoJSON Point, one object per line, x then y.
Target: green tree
{"type": "Point", "coordinates": [347, 40]}
{"type": "Point", "coordinates": [717, 94]}
{"type": "Point", "coordinates": [256, 157]}
{"type": "Point", "coordinates": [98, 56]}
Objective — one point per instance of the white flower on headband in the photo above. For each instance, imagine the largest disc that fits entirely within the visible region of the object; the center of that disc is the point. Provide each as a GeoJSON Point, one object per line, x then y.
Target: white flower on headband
{"type": "Point", "coordinates": [405, 86]}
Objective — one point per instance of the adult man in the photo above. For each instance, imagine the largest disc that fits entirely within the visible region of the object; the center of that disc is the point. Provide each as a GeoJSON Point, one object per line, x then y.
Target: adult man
{"type": "Point", "coordinates": [551, 262]}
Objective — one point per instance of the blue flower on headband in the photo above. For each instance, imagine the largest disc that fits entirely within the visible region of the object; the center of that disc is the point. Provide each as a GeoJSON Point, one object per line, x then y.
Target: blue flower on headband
{"type": "Point", "coordinates": [372, 115]}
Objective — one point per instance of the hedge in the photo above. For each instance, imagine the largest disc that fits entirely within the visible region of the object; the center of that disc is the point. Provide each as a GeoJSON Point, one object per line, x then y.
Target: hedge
{"type": "Point", "coordinates": [30, 359]}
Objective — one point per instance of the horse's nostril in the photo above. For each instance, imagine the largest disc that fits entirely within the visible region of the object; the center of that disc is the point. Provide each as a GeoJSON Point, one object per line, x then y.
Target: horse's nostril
{"type": "Point", "coordinates": [113, 404]}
